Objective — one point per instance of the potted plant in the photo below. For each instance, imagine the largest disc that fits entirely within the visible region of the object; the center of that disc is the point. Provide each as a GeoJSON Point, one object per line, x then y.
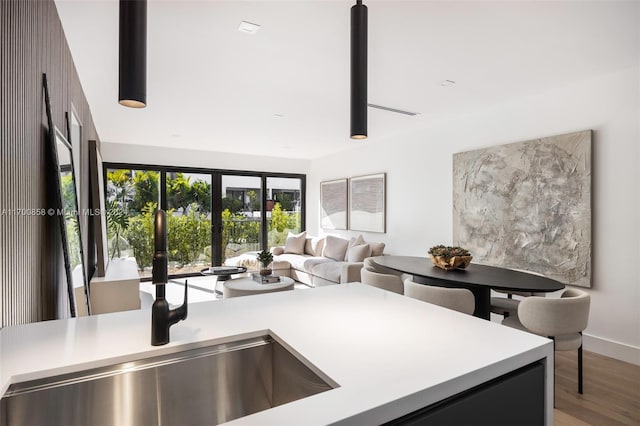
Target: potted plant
{"type": "Point", "coordinates": [265, 257]}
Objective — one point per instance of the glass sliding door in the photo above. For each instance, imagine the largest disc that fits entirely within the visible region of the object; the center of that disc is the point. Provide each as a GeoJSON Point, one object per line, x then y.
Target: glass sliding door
{"type": "Point", "coordinates": [132, 198]}
{"type": "Point", "coordinates": [241, 214]}
{"type": "Point", "coordinates": [188, 207]}
{"type": "Point", "coordinates": [212, 215]}
{"type": "Point", "coordinates": [284, 208]}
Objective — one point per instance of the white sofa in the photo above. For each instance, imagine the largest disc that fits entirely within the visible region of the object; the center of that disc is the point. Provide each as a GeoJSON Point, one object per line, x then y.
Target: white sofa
{"type": "Point", "coordinates": [316, 261]}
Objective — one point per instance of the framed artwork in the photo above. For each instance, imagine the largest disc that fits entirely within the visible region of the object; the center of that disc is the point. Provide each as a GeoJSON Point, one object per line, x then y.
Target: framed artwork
{"type": "Point", "coordinates": [97, 203]}
{"type": "Point", "coordinates": [367, 203]}
{"type": "Point", "coordinates": [527, 205]}
{"type": "Point", "coordinates": [66, 205]}
{"type": "Point", "coordinates": [333, 204]}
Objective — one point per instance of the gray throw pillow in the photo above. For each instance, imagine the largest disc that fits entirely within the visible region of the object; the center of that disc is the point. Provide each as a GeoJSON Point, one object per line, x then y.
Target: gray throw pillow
{"type": "Point", "coordinates": [313, 246]}
{"type": "Point", "coordinates": [295, 243]}
{"type": "Point", "coordinates": [335, 248]}
{"type": "Point", "coordinates": [354, 241]}
{"type": "Point", "coordinates": [377, 249]}
{"type": "Point", "coordinates": [358, 253]}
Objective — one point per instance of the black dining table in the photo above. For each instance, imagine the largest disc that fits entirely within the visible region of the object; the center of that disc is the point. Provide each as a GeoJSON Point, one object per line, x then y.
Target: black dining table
{"type": "Point", "coordinates": [480, 279]}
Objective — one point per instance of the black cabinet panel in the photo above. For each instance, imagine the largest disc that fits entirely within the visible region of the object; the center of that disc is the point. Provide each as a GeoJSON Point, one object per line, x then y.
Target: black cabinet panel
{"type": "Point", "coordinates": [515, 399]}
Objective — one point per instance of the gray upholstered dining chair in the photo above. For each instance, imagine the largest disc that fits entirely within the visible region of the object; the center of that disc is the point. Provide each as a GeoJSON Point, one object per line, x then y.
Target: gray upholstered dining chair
{"type": "Point", "coordinates": [387, 282]}
{"type": "Point", "coordinates": [458, 299]}
{"type": "Point", "coordinates": [562, 319]}
{"type": "Point", "coordinates": [370, 265]}
{"type": "Point", "coordinates": [507, 306]}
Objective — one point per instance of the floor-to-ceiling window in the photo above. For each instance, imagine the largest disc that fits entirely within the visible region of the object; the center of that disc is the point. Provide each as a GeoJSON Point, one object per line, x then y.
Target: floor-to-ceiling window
{"type": "Point", "coordinates": [211, 214]}
{"type": "Point", "coordinates": [132, 198]}
{"type": "Point", "coordinates": [241, 214]}
{"type": "Point", "coordinates": [188, 206]}
{"type": "Point", "coordinates": [284, 208]}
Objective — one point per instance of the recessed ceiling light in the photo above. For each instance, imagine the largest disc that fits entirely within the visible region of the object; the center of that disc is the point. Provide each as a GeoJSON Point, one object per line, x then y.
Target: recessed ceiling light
{"type": "Point", "coordinates": [248, 27]}
{"type": "Point", "coordinates": [447, 83]}
{"type": "Point", "coordinates": [278, 115]}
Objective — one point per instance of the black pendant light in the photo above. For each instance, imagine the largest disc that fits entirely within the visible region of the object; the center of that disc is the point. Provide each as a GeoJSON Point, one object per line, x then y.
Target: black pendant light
{"type": "Point", "coordinates": [132, 87]}
{"type": "Point", "coordinates": [359, 71]}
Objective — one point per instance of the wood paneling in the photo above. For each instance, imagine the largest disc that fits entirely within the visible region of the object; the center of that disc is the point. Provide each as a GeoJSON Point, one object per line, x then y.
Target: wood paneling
{"type": "Point", "coordinates": [32, 42]}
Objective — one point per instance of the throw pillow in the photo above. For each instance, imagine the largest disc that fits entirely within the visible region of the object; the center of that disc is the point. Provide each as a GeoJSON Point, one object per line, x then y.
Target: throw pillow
{"type": "Point", "coordinates": [313, 246]}
{"type": "Point", "coordinates": [277, 250]}
{"type": "Point", "coordinates": [335, 248]}
{"type": "Point", "coordinates": [354, 241]}
{"type": "Point", "coordinates": [377, 249]}
{"type": "Point", "coordinates": [319, 247]}
{"type": "Point", "coordinates": [358, 253]}
{"type": "Point", "coordinates": [295, 243]}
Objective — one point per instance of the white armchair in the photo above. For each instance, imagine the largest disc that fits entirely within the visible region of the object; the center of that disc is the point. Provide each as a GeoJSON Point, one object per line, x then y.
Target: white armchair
{"type": "Point", "coordinates": [383, 281]}
{"type": "Point", "coordinates": [561, 319]}
{"type": "Point", "coordinates": [458, 299]}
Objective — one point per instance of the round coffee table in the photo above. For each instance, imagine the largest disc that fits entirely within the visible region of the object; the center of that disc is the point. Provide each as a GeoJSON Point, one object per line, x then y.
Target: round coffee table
{"type": "Point", "coordinates": [237, 287]}
{"type": "Point", "coordinates": [223, 273]}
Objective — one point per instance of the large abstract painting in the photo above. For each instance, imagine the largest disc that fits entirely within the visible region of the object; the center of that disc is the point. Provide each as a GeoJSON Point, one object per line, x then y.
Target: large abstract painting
{"type": "Point", "coordinates": [527, 205]}
{"type": "Point", "coordinates": [333, 204]}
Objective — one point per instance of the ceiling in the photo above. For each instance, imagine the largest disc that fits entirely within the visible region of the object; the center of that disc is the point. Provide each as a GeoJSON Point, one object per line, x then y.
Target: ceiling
{"type": "Point", "coordinates": [284, 91]}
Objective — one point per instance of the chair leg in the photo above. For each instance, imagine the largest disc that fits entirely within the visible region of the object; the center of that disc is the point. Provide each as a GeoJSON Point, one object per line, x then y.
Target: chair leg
{"type": "Point", "coordinates": [580, 369]}
{"type": "Point", "coordinates": [553, 385]}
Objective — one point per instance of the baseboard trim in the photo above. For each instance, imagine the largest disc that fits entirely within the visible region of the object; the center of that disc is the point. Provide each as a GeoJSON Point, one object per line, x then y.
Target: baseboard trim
{"type": "Point", "coordinates": [613, 349]}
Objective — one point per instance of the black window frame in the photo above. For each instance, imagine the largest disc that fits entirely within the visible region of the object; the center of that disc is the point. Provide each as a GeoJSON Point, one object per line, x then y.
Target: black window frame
{"type": "Point", "coordinates": [216, 196]}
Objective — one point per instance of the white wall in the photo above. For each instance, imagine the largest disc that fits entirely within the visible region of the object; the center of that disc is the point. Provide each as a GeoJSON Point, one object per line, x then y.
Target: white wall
{"type": "Point", "coordinates": [159, 156]}
{"type": "Point", "coordinates": [419, 190]}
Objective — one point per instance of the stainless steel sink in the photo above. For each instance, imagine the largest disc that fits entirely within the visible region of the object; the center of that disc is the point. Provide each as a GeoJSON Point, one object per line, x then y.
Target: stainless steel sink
{"type": "Point", "coordinates": [204, 386]}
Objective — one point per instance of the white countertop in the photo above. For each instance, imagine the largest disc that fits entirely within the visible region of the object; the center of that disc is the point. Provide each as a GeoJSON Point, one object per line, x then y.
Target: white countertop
{"type": "Point", "coordinates": [390, 354]}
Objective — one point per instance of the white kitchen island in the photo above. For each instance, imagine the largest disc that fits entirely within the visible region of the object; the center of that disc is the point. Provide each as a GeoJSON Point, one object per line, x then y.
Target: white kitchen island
{"type": "Point", "coordinates": [389, 355]}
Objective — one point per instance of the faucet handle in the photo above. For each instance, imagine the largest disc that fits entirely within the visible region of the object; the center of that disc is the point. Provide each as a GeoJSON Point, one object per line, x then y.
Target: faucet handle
{"type": "Point", "coordinates": [162, 317]}
{"type": "Point", "coordinates": [182, 310]}
{"type": "Point", "coordinates": [180, 313]}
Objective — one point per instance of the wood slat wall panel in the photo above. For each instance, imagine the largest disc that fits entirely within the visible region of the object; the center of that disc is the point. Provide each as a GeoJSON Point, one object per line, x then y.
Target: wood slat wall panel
{"type": "Point", "coordinates": [32, 43]}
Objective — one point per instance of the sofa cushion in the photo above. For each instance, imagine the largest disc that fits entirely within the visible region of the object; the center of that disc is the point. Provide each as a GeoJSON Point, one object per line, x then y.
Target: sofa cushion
{"type": "Point", "coordinates": [329, 271]}
{"type": "Point", "coordinates": [377, 249]}
{"type": "Point", "coordinates": [313, 246]}
{"type": "Point", "coordinates": [335, 247]}
{"type": "Point", "coordinates": [358, 253]}
{"type": "Point", "coordinates": [302, 262]}
{"type": "Point", "coordinates": [295, 243]}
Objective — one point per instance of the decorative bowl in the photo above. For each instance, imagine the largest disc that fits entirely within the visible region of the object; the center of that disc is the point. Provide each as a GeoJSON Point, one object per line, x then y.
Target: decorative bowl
{"type": "Point", "coordinates": [448, 258]}
{"type": "Point", "coordinates": [455, 262]}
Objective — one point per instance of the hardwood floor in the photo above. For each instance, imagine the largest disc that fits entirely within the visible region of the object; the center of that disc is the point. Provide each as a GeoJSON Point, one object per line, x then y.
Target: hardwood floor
{"type": "Point", "coordinates": [611, 391]}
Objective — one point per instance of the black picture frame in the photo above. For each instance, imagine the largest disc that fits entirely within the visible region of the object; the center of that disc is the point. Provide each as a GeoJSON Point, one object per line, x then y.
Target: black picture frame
{"type": "Point", "coordinates": [76, 211]}
{"type": "Point", "coordinates": [53, 137]}
{"type": "Point", "coordinates": [97, 204]}
{"type": "Point", "coordinates": [51, 140]}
